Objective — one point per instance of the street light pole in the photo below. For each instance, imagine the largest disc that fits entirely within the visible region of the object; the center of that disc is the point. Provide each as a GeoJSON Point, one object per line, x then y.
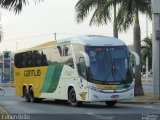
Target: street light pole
{"type": "Point", "coordinates": [156, 47]}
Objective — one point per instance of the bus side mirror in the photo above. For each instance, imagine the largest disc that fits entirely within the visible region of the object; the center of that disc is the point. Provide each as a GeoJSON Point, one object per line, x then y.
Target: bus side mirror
{"type": "Point", "coordinates": [86, 58]}
{"type": "Point", "coordinates": [136, 56]}
{"type": "Point", "coordinates": [82, 69]}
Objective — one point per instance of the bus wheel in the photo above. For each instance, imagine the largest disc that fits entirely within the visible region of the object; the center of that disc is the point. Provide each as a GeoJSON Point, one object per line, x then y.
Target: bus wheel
{"type": "Point", "coordinates": [72, 98]}
{"type": "Point", "coordinates": [26, 95]}
{"type": "Point", "coordinates": [31, 95]}
{"type": "Point", "coordinates": [111, 103]}
{"type": "Point", "coordinates": [32, 98]}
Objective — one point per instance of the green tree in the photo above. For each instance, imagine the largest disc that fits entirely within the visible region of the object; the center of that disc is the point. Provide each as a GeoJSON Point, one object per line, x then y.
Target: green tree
{"type": "Point", "coordinates": [128, 15]}
{"type": "Point", "coordinates": [147, 51]}
{"type": "Point", "coordinates": [101, 12]}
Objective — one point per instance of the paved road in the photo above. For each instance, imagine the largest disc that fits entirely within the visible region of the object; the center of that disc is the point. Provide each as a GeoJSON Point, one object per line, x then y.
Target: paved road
{"type": "Point", "coordinates": [51, 110]}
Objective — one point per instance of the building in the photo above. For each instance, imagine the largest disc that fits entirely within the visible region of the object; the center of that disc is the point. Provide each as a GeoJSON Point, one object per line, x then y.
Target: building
{"type": "Point", "coordinates": [6, 66]}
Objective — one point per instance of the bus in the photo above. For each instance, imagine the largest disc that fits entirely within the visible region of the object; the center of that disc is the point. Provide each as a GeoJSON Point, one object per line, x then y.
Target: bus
{"type": "Point", "coordinates": [77, 69]}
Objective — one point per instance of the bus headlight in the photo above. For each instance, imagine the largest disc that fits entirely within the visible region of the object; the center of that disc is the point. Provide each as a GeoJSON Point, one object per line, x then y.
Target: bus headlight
{"type": "Point", "coordinates": [95, 89]}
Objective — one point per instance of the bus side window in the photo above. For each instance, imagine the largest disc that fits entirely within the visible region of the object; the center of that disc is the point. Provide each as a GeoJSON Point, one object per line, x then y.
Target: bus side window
{"type": "Point", "coordinates": [44, 60]}
{"type": "Point", "coordinates": [67, 56]}
{"type": "Point", "coordinates": [37, 58]}
{"type": "Point", "coordinates": [18, 61]}
{"type": "Point", "coordinates": [65, 51]}
{"type": "Point", "coordinates": [24, 60]}
{"type": "Point", "coordinates": [59, 50]}
{"type": "Point", "coordinates": [29, 59]}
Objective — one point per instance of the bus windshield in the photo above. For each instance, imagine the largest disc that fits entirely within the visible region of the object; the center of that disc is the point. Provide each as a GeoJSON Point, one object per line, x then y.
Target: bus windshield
{"type": "Point", "coordinates": [109, 64]}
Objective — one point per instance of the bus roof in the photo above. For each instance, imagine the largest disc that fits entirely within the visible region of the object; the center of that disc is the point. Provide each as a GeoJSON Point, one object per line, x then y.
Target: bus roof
{"type": "Point", "coordinates": [93, 40]}
{"type": "Point", "coordinates": [90, 40]}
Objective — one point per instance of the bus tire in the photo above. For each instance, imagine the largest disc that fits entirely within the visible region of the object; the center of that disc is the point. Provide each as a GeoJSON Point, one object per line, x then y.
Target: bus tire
{"type": "Point", "coordinates": [32, 98]}
{"type": "Point", "coordinates": [72, 98]}
{"type": "Point", "coordinates": [38, 100]}
{"type": "Point", "coordinates": [111, 103]}
{"type": "Point", "coordinates": [26, 95]}
{"type": "Point", "coordinates": [31, 95]}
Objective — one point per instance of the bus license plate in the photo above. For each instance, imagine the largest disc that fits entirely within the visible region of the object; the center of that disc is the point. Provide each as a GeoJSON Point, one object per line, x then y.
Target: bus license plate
{"type": "Point", "coordinates": [114, 96]}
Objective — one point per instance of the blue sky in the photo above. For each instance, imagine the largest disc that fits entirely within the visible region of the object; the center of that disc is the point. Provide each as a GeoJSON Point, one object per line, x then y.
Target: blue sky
{"type": "Point", "coordinates": [38, 22]}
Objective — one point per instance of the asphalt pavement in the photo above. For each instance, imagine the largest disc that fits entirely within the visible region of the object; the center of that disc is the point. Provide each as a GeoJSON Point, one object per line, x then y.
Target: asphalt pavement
{"type": "Point", "coordinates": [52, 110]}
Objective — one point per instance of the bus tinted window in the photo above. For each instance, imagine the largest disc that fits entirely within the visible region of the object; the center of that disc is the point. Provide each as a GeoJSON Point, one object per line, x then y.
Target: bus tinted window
{"type": "Point", "coordinates": [30, 59]}
{"type": "Point", "coordinates": [44, 57]}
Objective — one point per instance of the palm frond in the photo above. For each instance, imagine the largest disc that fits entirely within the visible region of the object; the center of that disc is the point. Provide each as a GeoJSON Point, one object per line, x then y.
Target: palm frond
{"type": "Point", "coordinates": [83, 8]}
{"type": "Point", "coordinates": [147, 47]}
{"type": "Point", "coordinates": [102, 14]}
{"type": "Point", "coordinates": [15, 5]}
{"type": "Point", "coordinates": [127, 12]}
{"type": "Point", "coordinates": [146, 8]}
{"type": "Point", "coordinates": [125, 17]}
{"type": "Point", "coordinates": [147, 43]}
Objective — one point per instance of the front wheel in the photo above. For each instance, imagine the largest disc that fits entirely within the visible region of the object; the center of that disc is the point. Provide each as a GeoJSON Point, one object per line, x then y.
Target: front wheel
{"type": "Point", "coordinates": [111, 103]}
{"type": "Point", "coordinates": [72, 98]}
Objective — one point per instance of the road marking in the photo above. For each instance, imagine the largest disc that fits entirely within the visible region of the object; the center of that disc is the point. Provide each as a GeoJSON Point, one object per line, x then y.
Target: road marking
{"type": "Point", "coordinates": [101, 117]}
{"type": "Point", "coordinates": [3, 111]}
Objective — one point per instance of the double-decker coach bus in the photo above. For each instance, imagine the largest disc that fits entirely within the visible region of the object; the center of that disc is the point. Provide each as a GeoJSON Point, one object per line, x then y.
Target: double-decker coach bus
{"type": "Point", "coordinates": [78, 69]}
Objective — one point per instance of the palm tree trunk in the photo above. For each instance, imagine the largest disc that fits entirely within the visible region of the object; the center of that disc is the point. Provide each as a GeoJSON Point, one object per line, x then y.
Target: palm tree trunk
{"type": "Point", "coordinates": [115, 29]}
{"type": "Point", "coordinates": [137, 48]}
{"type": "Point", "coordinates": [1, 33]}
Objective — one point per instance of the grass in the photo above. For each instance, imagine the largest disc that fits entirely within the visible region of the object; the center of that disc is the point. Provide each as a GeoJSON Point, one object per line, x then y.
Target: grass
{"type": "Point", "coordinates": [147, 98]}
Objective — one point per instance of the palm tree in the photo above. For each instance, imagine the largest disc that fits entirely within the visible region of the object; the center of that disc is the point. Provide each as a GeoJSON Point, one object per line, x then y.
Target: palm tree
{"type": "Point", "coordinates": [128, 14]}
{"type": "Point", "coordinates": [147, 50]}
{"type": "Point", "coordinates": [1, 33]}
{"type": "Point", "coordinates": [102, 12]}
{"type": "Point", "coordinates": [15, 5]}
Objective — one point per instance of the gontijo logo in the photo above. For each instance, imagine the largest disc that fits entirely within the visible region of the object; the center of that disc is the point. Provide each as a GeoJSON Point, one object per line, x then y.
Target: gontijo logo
{"type": "Point", "coordinates": [28, 73]}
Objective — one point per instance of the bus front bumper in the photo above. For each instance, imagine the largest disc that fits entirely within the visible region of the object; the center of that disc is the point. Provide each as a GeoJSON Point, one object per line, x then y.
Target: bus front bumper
{"type": "Point", "coordinates": [110, 95]}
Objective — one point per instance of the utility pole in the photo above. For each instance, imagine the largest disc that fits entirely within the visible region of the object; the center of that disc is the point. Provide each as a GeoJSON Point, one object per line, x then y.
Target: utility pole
{"type": "Point", "coordinates": [156, 47]}
{"type": "Point", "coordinates": [16, 45]}
{"type": "Point", "coordinates": [146, 25]}
{"type": "Point", "coordinates": [147, 56]}
{"type": "Point", "coordinates": [55, 36]}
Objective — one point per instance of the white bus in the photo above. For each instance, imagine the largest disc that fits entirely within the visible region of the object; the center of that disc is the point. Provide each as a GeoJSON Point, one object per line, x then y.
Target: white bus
{"type": "Point", "coordinates": [78, 69]}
